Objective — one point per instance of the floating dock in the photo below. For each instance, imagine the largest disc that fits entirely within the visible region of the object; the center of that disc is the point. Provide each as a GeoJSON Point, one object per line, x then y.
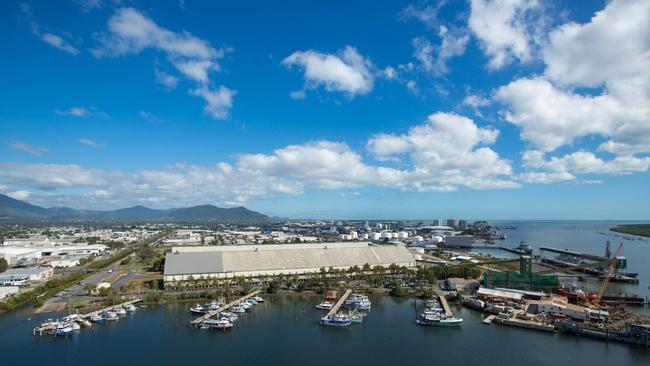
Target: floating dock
{"type": "Point", "coordinates": [212, 313]}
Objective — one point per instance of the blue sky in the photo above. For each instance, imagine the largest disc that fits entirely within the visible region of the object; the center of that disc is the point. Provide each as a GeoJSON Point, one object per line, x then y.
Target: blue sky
{"type": "Point", "coordinates": [415, 110]}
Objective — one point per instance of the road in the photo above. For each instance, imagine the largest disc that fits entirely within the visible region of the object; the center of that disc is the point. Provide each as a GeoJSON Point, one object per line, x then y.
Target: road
{"type": "Point", "coordinates": [77, 291]}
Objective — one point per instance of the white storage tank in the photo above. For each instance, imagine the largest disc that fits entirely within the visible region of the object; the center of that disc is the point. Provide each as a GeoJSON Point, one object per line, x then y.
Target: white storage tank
{"type": "Point", "coordinates": [402, 235]}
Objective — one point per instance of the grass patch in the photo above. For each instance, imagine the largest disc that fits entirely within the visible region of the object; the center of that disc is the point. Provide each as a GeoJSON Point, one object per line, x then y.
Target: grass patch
{"type": "Point", "coordinates": [636, 229]}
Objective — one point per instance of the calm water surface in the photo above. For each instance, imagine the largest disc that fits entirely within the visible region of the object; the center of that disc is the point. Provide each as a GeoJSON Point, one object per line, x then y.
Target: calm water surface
{"type": "Point", "coordinates": [584, 237]}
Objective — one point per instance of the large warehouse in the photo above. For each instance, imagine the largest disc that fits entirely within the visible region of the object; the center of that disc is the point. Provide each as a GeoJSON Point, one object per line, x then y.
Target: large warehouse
{"type": "Point", "coordinates": [264, 260]}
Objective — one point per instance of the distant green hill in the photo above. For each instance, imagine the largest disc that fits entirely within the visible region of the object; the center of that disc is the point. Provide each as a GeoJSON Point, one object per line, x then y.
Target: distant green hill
{"type": "Point", "coordinates": [13, 210]}
{"type": "Point", "coordinates": [635, 229]}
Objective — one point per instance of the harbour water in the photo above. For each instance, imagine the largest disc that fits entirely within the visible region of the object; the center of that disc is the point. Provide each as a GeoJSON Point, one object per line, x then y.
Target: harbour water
{"type": "Point", "coordinates": [584, 237]}
{"type": "Point", "coordinates": [285, 331]}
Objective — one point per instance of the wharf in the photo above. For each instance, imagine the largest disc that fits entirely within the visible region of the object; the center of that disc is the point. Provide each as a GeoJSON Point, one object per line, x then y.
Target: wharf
{"type": "Point", "coordinates": [100, 311]}
{"type": "Point", "coordinates": [489, 319]}
{"type": "Point", "coordinates": [339, 303]}
{"type": "Point", "coordinates": [524, 324]}
{"type": "Point", "coordinates": [51, 325]}
{"type": "Point", "coordinates": [212, 313]}
{"type": "Point", "coordinates": [445, 305]}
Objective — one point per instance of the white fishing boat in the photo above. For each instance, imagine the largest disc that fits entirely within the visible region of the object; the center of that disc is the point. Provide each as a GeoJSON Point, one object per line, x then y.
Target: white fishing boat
{"type": "Point", "coordinates": [130, 308]}
{"type": "Point", "coordinates": [358, 302]}
{"type": "Point", "coordinates": [440, 320]}
{"type": "Point", "coordinates": [198, 309]}
{"type": "Point", "coordinates": [336, 320]}
{"type": "Point", "coordinates": [220, 324]}
{"type": "Point", "coordinates": [96, 318]}
{"type": "Point", "coordinates": [119, 310]}
{"type": "Point", "coordinates": [229, 317]}
{"type": "Point", "coordinates": [238, 309]}
{"type": "Point", "coordinates": [325, 305]}
{"type": "Point", "coordinates": [257, 298]}
{"type": "Point", "coordinates": [63, 329]}
{"type": "Point", "coordinates": [109, 315]}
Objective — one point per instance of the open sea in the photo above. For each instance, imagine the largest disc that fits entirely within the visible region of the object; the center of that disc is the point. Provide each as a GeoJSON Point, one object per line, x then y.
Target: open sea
{"type": "Point", "coordinates": [285, 331]}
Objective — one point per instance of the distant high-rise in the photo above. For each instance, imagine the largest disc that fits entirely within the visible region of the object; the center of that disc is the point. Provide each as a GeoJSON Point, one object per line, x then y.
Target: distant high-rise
{"type": "Point", "coordinates": [437, 222]}
{"type": "Point", "coordinates": [452, 222]}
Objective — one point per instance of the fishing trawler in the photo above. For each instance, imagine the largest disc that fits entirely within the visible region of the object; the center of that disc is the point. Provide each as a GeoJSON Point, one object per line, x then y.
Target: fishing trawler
{"type": "Point", "coordinates": [358, 302]}
{"type": "Point", "coordinates": [336, 320]}
{"type": "Point", "coordinates": [434, 314]}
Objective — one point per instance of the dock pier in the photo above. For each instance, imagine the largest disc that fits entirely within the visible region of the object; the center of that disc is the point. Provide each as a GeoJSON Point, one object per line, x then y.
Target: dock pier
{"type": "Point", "coordinates": [212, 313]}
{"type": "Point", "coordinates": [50, 326]}
{"type": "Point", "coordinates": [100, 311]}
{"type": "Point", "coordinates": [445, 305]}
{"type": "Point", "coordinates": [338, 304]}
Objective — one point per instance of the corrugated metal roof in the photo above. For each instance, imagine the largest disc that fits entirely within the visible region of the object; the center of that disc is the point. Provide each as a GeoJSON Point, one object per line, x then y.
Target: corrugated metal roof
{"type": "Point", "coordinates": [283, 259]}
{"type": "Point", "coordinates": [499, 293]}
{"type": "Point", "coordinates": [197, 262]}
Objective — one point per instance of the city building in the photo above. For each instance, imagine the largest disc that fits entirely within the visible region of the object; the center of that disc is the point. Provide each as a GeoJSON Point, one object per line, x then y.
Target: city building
{"type": "Point", "coordinates": [459, 241]}
{"type": "Point", "coordinates": [452, 222]}
{"type": "Point", "coordinates": [7, 291]}
{"type": "Point", "coordinates": [25, 276]}
{"type": "Point", "coordinates": [263, 260]}
{"type": "Point", "coordinates": [13, 255]}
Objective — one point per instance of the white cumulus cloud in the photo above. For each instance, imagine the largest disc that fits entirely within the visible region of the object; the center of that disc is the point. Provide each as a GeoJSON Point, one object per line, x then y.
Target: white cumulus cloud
{"type": "Point", "coordinates": [507, 29]}
{"type": "Point", "coordinates": [130, 31]}
{"type": "Point", "coordinates": [348, 71]}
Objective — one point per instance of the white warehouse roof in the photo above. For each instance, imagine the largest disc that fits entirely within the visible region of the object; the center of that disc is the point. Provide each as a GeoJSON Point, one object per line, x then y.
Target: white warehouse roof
{"type": "Point", "coordinates": [249, 260]}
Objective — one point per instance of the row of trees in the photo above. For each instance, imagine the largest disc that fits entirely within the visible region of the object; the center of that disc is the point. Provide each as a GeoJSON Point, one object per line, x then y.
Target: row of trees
{"type": "Point", "coordinates": [394, 277]}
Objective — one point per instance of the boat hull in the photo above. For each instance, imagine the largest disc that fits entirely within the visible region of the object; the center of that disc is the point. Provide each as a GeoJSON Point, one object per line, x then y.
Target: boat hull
{"type": "Point", "coordinates": [442, 323]}
{"type": "Point", "coordinates": [338, 324]}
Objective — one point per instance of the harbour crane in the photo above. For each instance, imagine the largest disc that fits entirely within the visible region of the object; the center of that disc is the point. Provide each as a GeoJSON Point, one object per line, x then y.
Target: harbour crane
{"type": "Point", "coordinates": [608, 277]}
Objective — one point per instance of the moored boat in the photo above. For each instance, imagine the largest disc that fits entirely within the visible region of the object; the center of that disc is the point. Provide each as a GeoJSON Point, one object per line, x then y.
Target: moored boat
{"type": "Point", "coordinates": [221, 324]}
{"type": "Point", "coordinates": [96, 318]}
{"type": "Point", "coordinates": [198, 309]}
{"type": "Point", "coordinates": [257, 298]}
{"type": "Point", "coordinates": [439, 320]}
{"type": "Point", "coordinates": [63, 329]}
{"type": "Point", "coordinates": [336, 320]}
{"type": "Point", "coordinates": [325, 305]}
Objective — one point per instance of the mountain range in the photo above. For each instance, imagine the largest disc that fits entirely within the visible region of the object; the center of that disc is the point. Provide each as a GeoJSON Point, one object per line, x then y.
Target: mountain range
{"type": "Point", "coordinates": [13, 210]}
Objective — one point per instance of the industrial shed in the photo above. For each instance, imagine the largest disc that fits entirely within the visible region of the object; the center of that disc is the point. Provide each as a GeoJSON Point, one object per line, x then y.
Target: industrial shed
{"type": "Point", "coordinates": [265, 260]}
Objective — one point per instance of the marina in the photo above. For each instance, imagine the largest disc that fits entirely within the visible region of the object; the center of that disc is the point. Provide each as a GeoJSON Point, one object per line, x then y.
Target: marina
{"type": "Point", "coordinates": [159, 331]}
{"type": "Point", "coordinates": [68, 324]}
{"type": "Point", "coordinates": [225, 321]}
